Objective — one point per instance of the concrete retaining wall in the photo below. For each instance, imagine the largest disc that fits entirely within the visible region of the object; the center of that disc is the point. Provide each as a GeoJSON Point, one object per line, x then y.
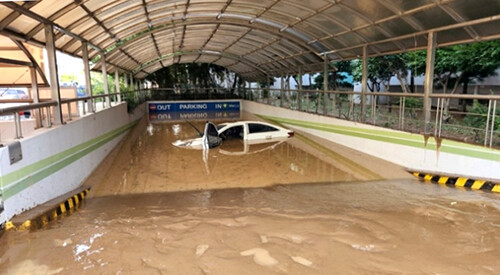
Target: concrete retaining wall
{"type": "Point", "coordinates": [405, 149]}
{"type": "Point", "coordinates": [60, 159]}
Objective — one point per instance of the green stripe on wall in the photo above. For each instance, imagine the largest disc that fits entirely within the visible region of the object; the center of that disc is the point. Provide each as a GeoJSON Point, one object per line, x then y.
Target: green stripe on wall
{"type": "Point", "coordinates": [400, 138]}
{"type": "Point", "coordinates": [52, 164]}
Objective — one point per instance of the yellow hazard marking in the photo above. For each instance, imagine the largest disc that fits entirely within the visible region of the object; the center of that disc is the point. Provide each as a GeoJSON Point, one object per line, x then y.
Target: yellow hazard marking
{"type": "Point", "coordinates": [45, 218]}
{"type": "Point", "coordinates": [25, 225]}
{"type": "Point", "coordinates": [477, 184]}
{"type": "Point", "coordinates": [461, 182]}
{"type": "Point", "coordinates": [496, 188]}
{"type": "Point", "coordinates": [428, 177]}
{"type": "Point", "coordinates": [63, 207]}
{"type": "Point", "coordinates": [416, 174]}
{"type": "Point", "coordinates": [443, 180]}
{"type": "Point", "coordinates": [70, 202]}
{"type": "Point", "coordinates": [9, 225]}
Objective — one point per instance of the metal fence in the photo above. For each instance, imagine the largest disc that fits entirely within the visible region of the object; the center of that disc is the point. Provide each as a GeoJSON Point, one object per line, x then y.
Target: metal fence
{"type": "Point", "coordinates": [479, 124]}
{"type": "Point", "coordinates": [476, 122]}
{"type": "Point", "coordinates": [42, 113]}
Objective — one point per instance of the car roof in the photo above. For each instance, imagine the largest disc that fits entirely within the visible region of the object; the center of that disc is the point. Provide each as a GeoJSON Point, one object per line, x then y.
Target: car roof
{"type": "Point", "coordinates": [243, 122]}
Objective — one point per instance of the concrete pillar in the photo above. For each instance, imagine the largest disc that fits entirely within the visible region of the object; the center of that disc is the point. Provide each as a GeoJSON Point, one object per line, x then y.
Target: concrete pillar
{"type": "Point", "coordinates": [299, 92]}
{"type": "Point", "coordinates": [105, 79]}
{"type": "Point", "coordinates": [88, 81]}
{"type": "Point", "coordinates": [117, 84]}
{"type": "Point", "coordinates": [364, 83]}
{"type": "Point", "coordinates": [53, 74]}
{"type": "Point", "coordinates": [429, 80]}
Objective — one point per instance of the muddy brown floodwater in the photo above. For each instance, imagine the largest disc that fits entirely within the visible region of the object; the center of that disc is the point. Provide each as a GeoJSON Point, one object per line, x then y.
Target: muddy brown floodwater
{"type": "Point", "coordinates": [291, 208]}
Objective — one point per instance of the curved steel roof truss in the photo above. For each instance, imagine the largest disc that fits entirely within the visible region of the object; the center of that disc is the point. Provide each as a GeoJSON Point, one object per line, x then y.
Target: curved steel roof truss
{"type": "Point", "coordinates": [254, 38]}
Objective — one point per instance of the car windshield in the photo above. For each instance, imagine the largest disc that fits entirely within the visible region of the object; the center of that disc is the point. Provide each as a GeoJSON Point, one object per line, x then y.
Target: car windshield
{"type": "Point", "coordinates": [220, 126]}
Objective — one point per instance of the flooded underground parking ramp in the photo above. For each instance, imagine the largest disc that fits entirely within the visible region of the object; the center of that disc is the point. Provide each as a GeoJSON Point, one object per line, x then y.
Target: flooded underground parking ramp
{"type": "Point", "coordinates": [281, 208]}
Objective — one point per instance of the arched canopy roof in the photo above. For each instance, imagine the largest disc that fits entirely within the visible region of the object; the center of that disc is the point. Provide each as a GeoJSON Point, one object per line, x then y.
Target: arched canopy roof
{"type": "Point", "coordinates": [252, 37]}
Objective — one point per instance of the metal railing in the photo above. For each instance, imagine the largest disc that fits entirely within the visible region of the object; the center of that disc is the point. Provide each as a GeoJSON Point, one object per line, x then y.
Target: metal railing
{"type": "Point", "coordinates": [401, 111]}
{"type": "Point", "coordinates": [42, 112]}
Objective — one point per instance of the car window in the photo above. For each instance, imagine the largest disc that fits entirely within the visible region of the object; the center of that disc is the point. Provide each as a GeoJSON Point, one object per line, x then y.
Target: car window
{"type": "Point", "coordinates": [235, 132]}
{"type": "Point", "coordinates": [260, 128]}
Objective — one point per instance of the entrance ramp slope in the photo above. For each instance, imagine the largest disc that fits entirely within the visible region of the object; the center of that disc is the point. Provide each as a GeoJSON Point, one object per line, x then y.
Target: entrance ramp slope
{"type": "Point", "coordinates": [147, 162]}
{"type": "Point", "coordinates": [57, 160]}
{"type": "Point", "coordinates": [414, 152]}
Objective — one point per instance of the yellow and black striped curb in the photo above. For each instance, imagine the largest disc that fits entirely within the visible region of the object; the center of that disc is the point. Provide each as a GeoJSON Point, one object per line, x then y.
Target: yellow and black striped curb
{"type": "Point", "coordinates": [64, 208]}
{"type": "Point", "coordinates": [460, 182]}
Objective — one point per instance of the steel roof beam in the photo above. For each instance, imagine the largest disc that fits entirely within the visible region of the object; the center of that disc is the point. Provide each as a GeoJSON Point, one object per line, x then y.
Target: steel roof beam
{"type": "Point", "coordinates": [401, 15]}
{"type": "Point", "coordinates": [150, 25]}
{"type": "Point", "coordinates": [386, 32]}
{"type": "Point", "coordinates": [32, 59]}
{"type": "Point", "coordinates": [52, 18]}
{"type": "Point", "coordinates": [409, 20]}
{"type": "Point", "coordinates": [213, 53]}
{"type": "Point", "coordinates": [209, 38]}
{"type": "Point", "coordinates": [92, 15]}
{"type": "Point", "coordinates": [412, 35]}
{"type": "Point", "coordinates": [208, 19]}
{"type": "Point", "coordinates": [41, 19]}
{"type": "Point", "coordinates": [15, 62]}
{"type": "Point", "coordinates": [15, 14]}
{"type": "Point", "coordinates": [458, 18]}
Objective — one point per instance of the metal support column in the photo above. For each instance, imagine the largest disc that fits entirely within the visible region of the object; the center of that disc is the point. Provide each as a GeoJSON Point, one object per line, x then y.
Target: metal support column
{"type": "Point", "coordinates": [105, 79]}
{"type": "Point", "coordinates": [282, 90]}
{"type": "Point", "coordinates": [288, 92]}
{"type": "Point", "coordinates": [325, 85]}
{"type": "Point", "coordinates": [250, 96]}
{"type": "Point", "coordinates": [117, 85]}
{"type": "Point", "coordinates": [429, 80]}
{"type": "Point", "coordinates": [35, 96]}
{"type": "Point", "coordinates": [88, 81]}
{"type": "Point", "coordinates": [364, 83]}
{"type": "Point", "coordinates": [268, 87]}
{"type": "Point", "coordinates": [54, 79]}
{"type": "Point", "coordinates": [299, 92]}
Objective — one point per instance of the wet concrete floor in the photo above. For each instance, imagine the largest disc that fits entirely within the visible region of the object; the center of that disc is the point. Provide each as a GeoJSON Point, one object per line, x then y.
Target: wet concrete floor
{"type": "Point", "coordinates": [292, 208]}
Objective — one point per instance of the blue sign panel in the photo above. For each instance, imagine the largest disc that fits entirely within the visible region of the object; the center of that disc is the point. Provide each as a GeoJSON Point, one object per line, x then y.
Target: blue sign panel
{"type": "Point", "coordinates": [194, 116]}
{"type": "Point", "coordinates": [196, 106]}
{"type": "Point", "coordinates": [194, 110]}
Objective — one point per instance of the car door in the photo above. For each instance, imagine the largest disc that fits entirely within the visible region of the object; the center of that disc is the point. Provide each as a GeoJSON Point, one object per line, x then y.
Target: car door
{"type": "Point", "coordinates": [211, 137]}
{"type": "Point", "coordinates": [259, 131]}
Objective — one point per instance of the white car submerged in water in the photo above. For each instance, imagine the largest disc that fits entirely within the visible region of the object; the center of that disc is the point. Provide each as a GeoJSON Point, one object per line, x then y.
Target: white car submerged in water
{"type": "Point", "coordinates": [248, 131]}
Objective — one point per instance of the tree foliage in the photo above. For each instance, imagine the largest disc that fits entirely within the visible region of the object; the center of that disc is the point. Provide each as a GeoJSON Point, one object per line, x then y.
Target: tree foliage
{"type": "Point", "coordinates": [460, 64]}
{"type": "Point", "coordinates": [336, 78]}
{"type": "Point", "coordinates": [202, 75]}
{"type": "Point", "coordinates": [381, 69]}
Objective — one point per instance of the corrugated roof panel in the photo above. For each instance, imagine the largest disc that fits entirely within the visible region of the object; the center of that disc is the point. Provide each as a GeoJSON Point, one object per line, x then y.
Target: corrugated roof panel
{"type": "Point", "coordinates": [280, 35]}
{"type": "Point", "coordinates": [47, 8]}
{"type": "Point", "coordinates": [23, 24]}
